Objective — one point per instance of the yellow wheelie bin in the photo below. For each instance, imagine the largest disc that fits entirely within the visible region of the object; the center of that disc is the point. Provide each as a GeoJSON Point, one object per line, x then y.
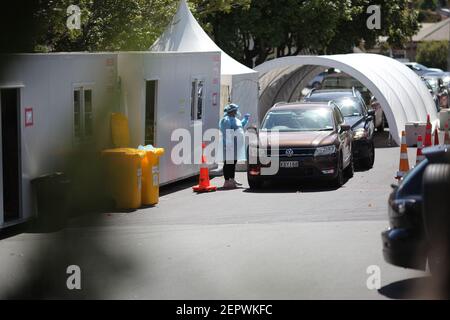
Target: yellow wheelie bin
{"type": "Point", "coordinates": [123, 168]}
{"type": "Point", "coordinates": [150, 175]}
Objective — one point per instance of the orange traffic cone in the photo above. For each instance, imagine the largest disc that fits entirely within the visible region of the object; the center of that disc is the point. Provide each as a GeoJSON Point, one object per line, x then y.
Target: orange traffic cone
{"type": "Point", "coordinates": [404, 162]}
{"type": "Point", "coordinates": [204, 183]}
{"type": "Point", "coordinates": [436, 137]}
{"type": "Point", "coordinates": [447, 135]}
{"type": "Point", "coordinates": [420, 156]}
{"type": "Point", "coordinates": [428, 142]}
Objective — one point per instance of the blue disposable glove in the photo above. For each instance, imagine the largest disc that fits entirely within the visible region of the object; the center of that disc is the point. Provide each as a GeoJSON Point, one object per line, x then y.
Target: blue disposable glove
{"type": "Point", "coordinates": [247, 116]}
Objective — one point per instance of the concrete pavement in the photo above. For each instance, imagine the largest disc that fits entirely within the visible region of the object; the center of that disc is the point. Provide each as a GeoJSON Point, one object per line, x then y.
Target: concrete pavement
{"type": "Point", "coordinates": [286, 242]}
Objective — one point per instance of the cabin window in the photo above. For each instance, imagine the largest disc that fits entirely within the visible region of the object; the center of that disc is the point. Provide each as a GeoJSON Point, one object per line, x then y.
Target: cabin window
{"type": "Point", "coordinates": [83, 126]}
{"type": "Point", "coordinates": [197, 99]}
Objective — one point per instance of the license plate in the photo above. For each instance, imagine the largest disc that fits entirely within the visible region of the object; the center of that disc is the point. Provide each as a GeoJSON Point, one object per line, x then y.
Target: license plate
{"type": "Point", "coordinates": [289, 164]}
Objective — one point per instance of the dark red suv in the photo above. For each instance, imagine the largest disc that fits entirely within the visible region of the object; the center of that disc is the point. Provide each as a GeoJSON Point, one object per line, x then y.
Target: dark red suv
{"type": "Point", "coordinates": [301, 141]}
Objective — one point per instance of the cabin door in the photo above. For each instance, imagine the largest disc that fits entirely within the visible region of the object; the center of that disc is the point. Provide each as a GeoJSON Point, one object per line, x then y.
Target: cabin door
{"type": "Point", "coordinates": [151, 100]}
{"type": "Point", "coordinates": [10, 161]}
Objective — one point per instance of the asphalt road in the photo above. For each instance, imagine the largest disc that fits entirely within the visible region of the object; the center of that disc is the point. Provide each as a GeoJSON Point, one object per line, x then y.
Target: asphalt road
{"type": "Point", "coordinates": [285, 242]}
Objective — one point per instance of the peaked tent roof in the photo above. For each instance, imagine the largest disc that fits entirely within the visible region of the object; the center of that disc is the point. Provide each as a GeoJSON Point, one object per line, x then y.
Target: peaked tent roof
{"type": "Point", "coordinates": [184, 34]}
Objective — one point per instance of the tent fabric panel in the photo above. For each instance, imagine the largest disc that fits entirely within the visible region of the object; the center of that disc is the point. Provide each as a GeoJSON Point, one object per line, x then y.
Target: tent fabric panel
{"type": "Point", "coordinates": [184, 34]}
{"type": "Point", "coordinates": [400, 91]}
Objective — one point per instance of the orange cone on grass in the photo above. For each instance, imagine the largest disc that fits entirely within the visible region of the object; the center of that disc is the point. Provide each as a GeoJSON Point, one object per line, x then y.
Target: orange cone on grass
{"type": "Point", "coordinates": [429, 128]}
{"type": "Point", "coordinates": [420, 156]}
{"type": "Point", "coordinates": [204, 183]}
{"type": "Point", "coordinates": [404, 161]}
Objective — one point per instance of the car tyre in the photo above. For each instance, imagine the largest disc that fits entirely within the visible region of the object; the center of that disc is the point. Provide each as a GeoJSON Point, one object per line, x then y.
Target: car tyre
{"type": "Point", "coordinates": [339, 180]}
{"type": "Point", "coordinates": [380, 128]}
{"type": "Point", "coordinates": [436, 219]}
{"type": "Point", "coordinates": [254, 184]}
{"type": "Point", "coordinates": [350, 170]}
{"type": "Point", "coordinates": [367, 163]}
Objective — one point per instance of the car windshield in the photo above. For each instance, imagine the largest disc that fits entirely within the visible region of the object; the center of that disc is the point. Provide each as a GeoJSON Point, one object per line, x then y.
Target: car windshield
{"type": "Point", "coordinates": [320, 119]}
{"type": "Point", "coordinates": [350, 107]}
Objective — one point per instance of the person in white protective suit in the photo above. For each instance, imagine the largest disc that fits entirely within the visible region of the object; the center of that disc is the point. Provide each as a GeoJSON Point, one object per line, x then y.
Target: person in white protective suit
{"type": "Point", "coordinates": [233, 139]}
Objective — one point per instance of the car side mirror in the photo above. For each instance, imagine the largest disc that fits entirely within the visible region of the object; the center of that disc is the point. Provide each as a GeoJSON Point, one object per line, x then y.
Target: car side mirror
{"type": "Point", "coordinates": [369, 118]}
{"type": "Point", "coordinates": [371, 112]}
{"type": "Point", "coordinates": [345, 127]}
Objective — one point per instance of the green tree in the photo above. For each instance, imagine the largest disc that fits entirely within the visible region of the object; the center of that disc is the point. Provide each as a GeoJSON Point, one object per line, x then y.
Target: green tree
{"type": "Point", "coordinates": [287, 27]}
{"type": "Point", "coordinates": [250, 30]}
{"type": "Point", "coordinates": [107, 25]}
{"type": "Point", "coordinates": [433, 54]}
{"type": "Point", "coordinates": [428, 4]}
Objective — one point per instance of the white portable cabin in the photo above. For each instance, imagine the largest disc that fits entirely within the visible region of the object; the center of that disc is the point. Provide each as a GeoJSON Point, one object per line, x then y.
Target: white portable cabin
{"type": "Point", "coordinates": [239, 84]}
{"type": "Point", "coordinates": [49, 104]}
{"type": "Point", "coordinates": [166, 91]}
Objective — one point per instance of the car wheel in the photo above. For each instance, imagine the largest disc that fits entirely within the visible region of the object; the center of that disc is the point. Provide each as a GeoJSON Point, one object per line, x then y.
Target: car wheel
{"type": "Point", "coordinates": [436, 208]}
{"type": "Point", "coordinates": [350, 170]}
{"type": "Point", "coordinates": [339, 180]}
{"type": "Point", "coordinates": [367, 163]}
{"type": "Point", "coordinates": [380, 128]}
{"type": "Point", "coordinates": [253, 183]}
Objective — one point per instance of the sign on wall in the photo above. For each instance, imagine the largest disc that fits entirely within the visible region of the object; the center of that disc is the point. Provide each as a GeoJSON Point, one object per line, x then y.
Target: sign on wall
{"type": "Point", "coordinates": [29, 121]}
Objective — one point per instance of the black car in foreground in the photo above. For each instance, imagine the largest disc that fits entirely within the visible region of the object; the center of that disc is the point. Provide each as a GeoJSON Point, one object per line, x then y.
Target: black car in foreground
{"type": "Point", "coordinates": [358, 116]}
{"type": "Point", "coordinates": [419, 215]}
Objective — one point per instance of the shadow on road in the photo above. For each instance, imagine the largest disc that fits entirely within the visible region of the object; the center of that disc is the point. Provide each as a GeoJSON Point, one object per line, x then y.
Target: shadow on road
{"type": "Point", "coordinates": [178, 186]}
{"type": "Point", "coordinates": [415, 288]}
{"type": "Point", "coordinates": [12, 231]}
{"type": "Point", "coordinates": [405, 289]}
{"type": "Point", "coordinates": [383, 140]}
{"type": "Point", "coordinates": [293, 187]}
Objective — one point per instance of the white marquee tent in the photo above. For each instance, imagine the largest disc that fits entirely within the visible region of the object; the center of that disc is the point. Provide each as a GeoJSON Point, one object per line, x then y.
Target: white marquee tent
{"type": "Point", "coordinates": [239, 83]}
{"type": "Point", "coordinates": [401, 93]}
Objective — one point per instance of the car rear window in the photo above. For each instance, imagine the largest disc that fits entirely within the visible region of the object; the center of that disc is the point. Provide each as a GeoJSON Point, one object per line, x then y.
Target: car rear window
{"type": "Point", "coordinates": [350, 107]}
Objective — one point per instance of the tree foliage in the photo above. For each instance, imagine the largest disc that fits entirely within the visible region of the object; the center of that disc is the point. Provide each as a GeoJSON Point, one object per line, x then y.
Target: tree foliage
{"type": "Point", "coordinates": [107, 25]}
{"type": "Point", "coordinates": [433, 54]}
{"type": "Point", "coordinates": [287, 27]}
{"type": "Point", "coordinates": [250, 30]}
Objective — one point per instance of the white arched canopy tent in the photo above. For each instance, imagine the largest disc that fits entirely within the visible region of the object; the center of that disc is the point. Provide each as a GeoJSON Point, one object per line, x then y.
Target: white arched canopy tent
{"type": "Point", "coordinates": [401, 93]}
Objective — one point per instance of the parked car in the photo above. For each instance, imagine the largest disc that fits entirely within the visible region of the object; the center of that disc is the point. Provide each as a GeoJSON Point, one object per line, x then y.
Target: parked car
{"type": "Point", "coordinates": [440, 82]}
{"type": "Point", "coordinates": [432, 92]}
{"type": "Point", "coordinates": [314, 143]}
{"type": "Point", "coordinates": [331, 94]}
{"type": "Point", "coordinates": [344, 81]}
{"type": "Point", "coordinates": [359, 117]}
{"type": "Point", "coordinates": [420, 69]}
{"type": "Point", "coordinates": [419, 216]}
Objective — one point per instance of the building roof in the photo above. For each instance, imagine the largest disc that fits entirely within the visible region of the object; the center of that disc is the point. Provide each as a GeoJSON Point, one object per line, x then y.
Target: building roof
{"type": "Point", "coordinates": [433, 31]}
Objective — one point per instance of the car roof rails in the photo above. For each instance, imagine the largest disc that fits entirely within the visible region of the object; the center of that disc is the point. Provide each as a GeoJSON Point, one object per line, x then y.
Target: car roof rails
{"type": "Point", "coordinates": [333, 103]}
{"type": "Point", "coordinates": [310, 92]}
{"type": "Point", "coordinates": [279, 104]}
